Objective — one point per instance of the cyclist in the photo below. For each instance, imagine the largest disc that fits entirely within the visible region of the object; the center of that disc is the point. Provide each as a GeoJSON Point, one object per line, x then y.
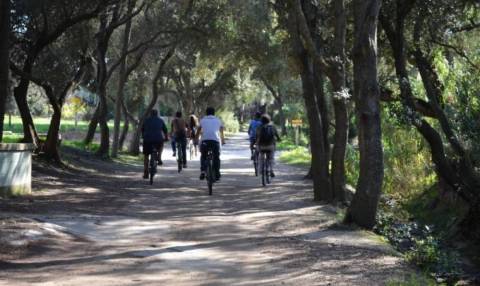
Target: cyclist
{"type": "Point", "coordinates": [154, 133]}
{"type": "Point", "coordinates": [252, 131]}
{"type": "Point", "coordinates": [179, 131]}
{"type": "Point", "coordinates": [211, 130]}
{"type": "Point", "coordinates": [192, 128]}
{"type": "Point", "coordinates": [266, 139]}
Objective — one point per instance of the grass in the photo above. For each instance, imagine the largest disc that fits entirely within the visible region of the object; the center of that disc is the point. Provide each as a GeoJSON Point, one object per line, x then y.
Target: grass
{"type": "Point", "coordinates": [298, 156]}
{"type": "Point", "coordinates": [414, 280]}
{"type": "Point", "coordinates": [128, 159]}
{"type": "Point", "coordinates": [42, 124]}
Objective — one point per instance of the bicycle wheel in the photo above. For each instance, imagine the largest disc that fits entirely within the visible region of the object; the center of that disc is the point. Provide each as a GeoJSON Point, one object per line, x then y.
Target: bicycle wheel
{"type": "Point", "coordinates": [264, 169]}
{"type": "Point", "coordinates": [267, 168]}
{"type": "Point", "coordinates": [179, 157]}
{"type": "Point", "coordinates": [190, 148]}
{"type": "Point", "coordinates": [255, 162]}
{"type": "Point", "coordinates": [153, 167]}
{"type": "Point", "coordinates": [210, 176]}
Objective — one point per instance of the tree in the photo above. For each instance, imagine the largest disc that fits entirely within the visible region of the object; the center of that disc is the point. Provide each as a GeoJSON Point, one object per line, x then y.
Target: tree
{"type": "Point", "coordinates": [37, 24]}
{"type": "Point", "coordinates": [363, 208]}
{"type": "Point", "coordinates": [453, 163]}
{"type": "Point", "coordinates": [4, 59]}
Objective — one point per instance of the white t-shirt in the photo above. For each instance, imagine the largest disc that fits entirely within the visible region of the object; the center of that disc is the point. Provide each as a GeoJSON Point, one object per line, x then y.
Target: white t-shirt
{"type": "Point", "coordinates": [211, 128]}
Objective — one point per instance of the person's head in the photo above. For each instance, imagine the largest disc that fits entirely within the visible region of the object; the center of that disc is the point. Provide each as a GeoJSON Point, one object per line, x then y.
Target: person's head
{"type": "Point", "coordinates": [258, 115]}
{"type": "Point", "coordinates": [210, 111]}
{"type": "Point", "coordinates": [193, 120]}
{"type": "Point", "coordinates": [265, 119]}
{"type": "Point", "coordinates": [154, 113]}
{"type": "Point", "coordinates": [178, 114]}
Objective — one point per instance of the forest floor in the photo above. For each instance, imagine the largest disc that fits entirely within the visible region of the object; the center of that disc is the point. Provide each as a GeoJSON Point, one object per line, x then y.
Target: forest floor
{"type": "Point", "coordinates": [99, 222]}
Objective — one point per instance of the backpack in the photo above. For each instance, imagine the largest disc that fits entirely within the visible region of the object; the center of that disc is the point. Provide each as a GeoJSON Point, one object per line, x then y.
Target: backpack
{"type": "Point", "coordinates": [267, 135]}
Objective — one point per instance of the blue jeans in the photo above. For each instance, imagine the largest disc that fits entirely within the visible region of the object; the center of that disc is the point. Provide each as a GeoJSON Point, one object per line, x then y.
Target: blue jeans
{"type": "Point", "coordinates": [215, 147]}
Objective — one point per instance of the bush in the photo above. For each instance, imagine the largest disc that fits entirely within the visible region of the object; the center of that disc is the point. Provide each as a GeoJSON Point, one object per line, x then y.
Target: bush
{"type": "Point", "coordinates": [229, 121]}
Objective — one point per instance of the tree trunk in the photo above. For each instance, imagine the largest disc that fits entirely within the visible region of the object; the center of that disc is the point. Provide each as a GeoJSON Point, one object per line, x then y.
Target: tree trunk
{"type": "Point", "coordinates": [50, 148]}
{"type": "Point", "coordinates": [339, 149]}
{"type": "Point", "coordinates": [20, 93]}
{"type": "Point", "coordinates": [338, 81]}
{"type": "Point", "coordinates": [134, 147]}
{"type": "Point", "coordinates": [103, 38]}
{"type": "Point", "coordinates": [4, 59]}
{"type": "Point", "coordinates": [363, 208]}
{"type": "Point", "coordinates": [321, 183]}
{"type": "Point", "coordinates": [123, 77]}
{"type": "Point", "coordinates": [125, 128]}
{"type": "Point", "coordinates": [102, 120]}
{"type": "Point", "coordinates": [92, 127]}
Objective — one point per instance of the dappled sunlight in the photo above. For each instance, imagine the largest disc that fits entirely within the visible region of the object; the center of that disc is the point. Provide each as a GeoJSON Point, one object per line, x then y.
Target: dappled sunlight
{"type": "Point", "coordinates": [174, 231]}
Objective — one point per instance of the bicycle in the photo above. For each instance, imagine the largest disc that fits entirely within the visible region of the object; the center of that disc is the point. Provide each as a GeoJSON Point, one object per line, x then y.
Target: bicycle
{"type": "Point", "coordinates": [255, 160]}
{"type": "Point", "coordinates": [266, 166]}
{"type": "Point", "coordinates": [179, 155]}
{"type": "Point", "coordinates": [191, 148]}
{"type": "Point", "coordinates": [153, 161]}
{"type": "Point", "coordinates": [210, 171]}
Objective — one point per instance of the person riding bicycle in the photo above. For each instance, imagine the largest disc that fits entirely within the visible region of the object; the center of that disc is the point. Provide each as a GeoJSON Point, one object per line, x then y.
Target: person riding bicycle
{"type": "Point", "coordinates": [179, 131]}
{"type": "Point", "coordinates": [211, 131]}
{"type": "Point", "coordinates": [266, 139]}
{"type": "Point", "coordinates": [252, 131]}
{"type": "Point", "coordinates": [154, 133]}
{"type": "Point", "coordinates": [192, 128]}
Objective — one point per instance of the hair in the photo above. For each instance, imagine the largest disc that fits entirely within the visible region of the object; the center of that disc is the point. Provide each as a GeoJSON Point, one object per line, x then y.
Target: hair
{"type": "Point", "coordinates": [154, 112]}
{"type": "Point", "coordinates": [178, 114]}
{"type": "Point", "coordinates": [193, 121]}
{"type": "Point", "coordinates": [210, 111]}
{"type": "Point", "coordinates": [258, 115]}
{"type": "Point", "coordinates": [265, 119]}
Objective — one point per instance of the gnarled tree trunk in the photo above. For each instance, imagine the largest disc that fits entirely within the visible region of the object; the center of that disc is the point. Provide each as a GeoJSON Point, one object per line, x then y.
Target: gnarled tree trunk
{"type": "Point", "coordinates": [364, 205]}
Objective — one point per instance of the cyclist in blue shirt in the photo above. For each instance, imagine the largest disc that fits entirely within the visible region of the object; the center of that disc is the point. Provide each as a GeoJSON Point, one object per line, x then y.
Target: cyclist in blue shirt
{"type": "Point", "coordinates": [252, 131]}
{"type": "Point", "coordinates": [154, 133]}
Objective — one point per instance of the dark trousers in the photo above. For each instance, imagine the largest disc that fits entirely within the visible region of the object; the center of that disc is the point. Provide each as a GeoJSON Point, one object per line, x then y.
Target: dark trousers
{"type": "Point", "coordinates": [173, 143]}
{"type": "Point", "coordinates": [215, 147]}
{"type": "Point", "coordinates": [182, 141]}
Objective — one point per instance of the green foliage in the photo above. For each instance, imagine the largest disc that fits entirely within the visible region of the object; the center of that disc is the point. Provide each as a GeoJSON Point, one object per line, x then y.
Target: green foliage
{"type": "Point", "coordinates": [421, 245]}
{"type": "Point", "coordinates": [229, 121]}
{"type": "Point", "coordinates": [352, 169]}
{"type": "Point", "coordinates": [407, 161]}
{"type": "Point", "coordinates": [288, 141]}
{"type": "Point", "coordinates": [298, 156]}
{"type": "Point", "coordinates": [92, 147]}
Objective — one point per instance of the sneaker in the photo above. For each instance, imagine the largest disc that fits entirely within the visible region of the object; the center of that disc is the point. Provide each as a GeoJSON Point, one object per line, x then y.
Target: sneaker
{"type": "Point", "coordinates": [174, 154]}
{"type": "Point", "coordinates": [202, 176]}
{"type": "Point", "coordinates": [272, 174]}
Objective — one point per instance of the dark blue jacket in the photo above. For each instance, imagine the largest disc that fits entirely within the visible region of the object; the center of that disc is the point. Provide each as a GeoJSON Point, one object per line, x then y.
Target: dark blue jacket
{"type": "Point", "coordinates": [153, 129]}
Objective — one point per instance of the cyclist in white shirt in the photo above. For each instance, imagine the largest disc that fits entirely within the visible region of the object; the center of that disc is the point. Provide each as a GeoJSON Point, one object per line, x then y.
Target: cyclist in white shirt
{"type": "Point", "coordinates": [212, 135]}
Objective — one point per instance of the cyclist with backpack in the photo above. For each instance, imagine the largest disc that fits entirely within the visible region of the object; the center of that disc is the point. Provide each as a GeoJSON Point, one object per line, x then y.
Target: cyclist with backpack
{"type": "Point", "coordinates": [179, 132]}
{"type": "Point", "coordinates": [154, 133]}
{"type": "Point", "coordinates": [266, 139]}
{"type": "Point", "coordinates": [252, 131]}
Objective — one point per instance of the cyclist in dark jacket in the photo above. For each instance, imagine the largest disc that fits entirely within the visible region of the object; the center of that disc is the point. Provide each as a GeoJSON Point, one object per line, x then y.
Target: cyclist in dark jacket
{"type": "Point", "coordinates": [154, 133]}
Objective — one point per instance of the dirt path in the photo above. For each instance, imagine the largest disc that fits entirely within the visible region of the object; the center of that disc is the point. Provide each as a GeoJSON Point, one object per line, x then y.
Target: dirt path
{"type": "Point", "coordinates": [104, 225]}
